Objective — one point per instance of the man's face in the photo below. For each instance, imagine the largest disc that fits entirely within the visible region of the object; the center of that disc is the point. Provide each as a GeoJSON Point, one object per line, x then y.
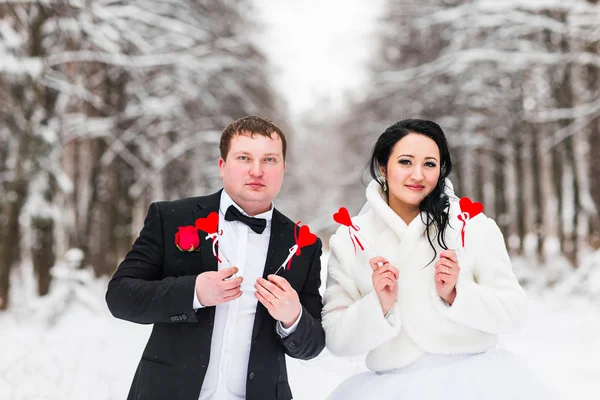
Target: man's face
{"type": "Point", "coordinates": [253, 171]}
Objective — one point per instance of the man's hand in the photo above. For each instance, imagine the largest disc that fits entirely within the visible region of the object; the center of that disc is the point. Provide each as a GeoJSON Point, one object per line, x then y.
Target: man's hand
{"type": "Point", "coordinates": [279, 298]}
{"type": "Point", "coordinates": [385, 282]}
{"type": "Point", "coordinates": [212, 288]}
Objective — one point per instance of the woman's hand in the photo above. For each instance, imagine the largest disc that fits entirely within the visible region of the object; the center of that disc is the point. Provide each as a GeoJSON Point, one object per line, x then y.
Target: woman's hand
{"type": "Point", "coordinates": [385, 282]}
{"type": "Point", "coordinates": [446, 274]}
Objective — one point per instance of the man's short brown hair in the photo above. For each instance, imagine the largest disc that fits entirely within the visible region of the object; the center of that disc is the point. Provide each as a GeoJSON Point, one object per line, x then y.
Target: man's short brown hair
{"type": "Point", "coordinates": [250, 125]}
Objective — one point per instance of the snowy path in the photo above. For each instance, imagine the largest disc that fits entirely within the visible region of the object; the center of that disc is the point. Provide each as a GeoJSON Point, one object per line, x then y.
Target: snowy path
{"type": "Point", "coordinates": [93, 356]}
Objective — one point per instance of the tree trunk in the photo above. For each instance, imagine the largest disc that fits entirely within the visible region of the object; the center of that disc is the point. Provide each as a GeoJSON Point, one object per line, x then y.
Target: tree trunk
{"type": "Point", "coordinates": [486, 161]}
{"type": "Point", "coordinates": [478, 176]}
{"type": "Point", "coordinates": [593, 75]}
{"type": "Point", "coordinates": [528, 204]}
{"type": "Point", "coordinates": [70, 166]}
{"type": "Point", "coordinates": [103, 251]}
{"type": "Point", "coordinates": [548, 201]}
{"type": "Point", "coordinates": [520, 193]}
{"type": "Point", "coordinates": [9, 235]}
{"type": "Point", "coordinates": [539, 207]}
{"type": "Point", "coordinates": [457, 176]}
{"type": "Point", "coordinates": [558, 164]}
{"type": "Point", "coordinates": [564, 98]}
{"type": "Point", "coordinates": [510, 175]}
{"type": "Point", "coordinates": [42, 251]}
{"type": "Point", "coordinates": [124, 231]}
{"type": "Point", "coordinates": [85, 195]}
{"type": "Point", "coordinates": [594, 166]}
{"type": "Point", "coordinates": [500, 202]}
{"type": "Point", "coordinates": [468, 172]}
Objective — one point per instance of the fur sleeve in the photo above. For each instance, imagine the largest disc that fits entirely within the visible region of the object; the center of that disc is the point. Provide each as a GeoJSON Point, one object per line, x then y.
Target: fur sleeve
{"type": "Point", "coordinates": [354, 322]}
{"type": "Point", "coordinates": [492, 300]}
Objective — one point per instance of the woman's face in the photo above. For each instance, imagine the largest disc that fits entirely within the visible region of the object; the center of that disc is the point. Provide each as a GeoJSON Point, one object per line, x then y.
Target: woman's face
{"type": "Point", "coordinates": [413, 170]}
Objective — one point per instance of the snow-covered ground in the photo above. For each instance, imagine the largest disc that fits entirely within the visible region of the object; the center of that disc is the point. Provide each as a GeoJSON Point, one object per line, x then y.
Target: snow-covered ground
{"type": "Point", "coordinates": [71, 348]}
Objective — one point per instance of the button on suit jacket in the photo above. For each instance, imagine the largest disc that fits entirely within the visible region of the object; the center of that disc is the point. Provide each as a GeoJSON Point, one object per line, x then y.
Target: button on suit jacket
{"type": "Point", "coordinates": [155, 284]}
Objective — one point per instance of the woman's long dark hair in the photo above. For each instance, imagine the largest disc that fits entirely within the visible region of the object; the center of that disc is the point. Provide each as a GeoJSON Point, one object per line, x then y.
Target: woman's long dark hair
{"type": "Point", "coordinates": [436, 203]}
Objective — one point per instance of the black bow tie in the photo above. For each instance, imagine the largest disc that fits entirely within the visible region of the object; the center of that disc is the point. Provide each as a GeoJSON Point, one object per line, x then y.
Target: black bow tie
{"type": "Point", "coordinates": [256, 224]}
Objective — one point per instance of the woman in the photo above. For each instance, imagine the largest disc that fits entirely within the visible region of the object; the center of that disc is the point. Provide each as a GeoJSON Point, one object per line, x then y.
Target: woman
{"type": "Point", "coordinates": [426, 308]}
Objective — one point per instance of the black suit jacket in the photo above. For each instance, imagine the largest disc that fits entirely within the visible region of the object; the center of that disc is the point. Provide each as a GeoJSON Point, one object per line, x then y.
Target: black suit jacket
{"type": "Point", "coordinates": [155, 285]}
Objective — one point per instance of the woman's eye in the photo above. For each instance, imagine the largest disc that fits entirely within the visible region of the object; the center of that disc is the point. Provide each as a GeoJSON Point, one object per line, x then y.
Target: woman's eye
{"type": "Point", "coordinates": [430, 164]}
{"type": "Point", "coordinates": [404, 162]}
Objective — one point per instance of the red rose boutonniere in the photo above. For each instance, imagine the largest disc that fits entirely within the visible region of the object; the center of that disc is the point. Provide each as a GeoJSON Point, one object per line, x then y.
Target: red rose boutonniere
{"type": "Point", "coordinates": [187, 238]}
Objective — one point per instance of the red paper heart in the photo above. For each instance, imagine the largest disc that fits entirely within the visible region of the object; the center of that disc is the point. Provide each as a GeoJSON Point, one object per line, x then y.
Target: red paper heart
{"type": "Point", "coordinates": [210, 224]}
{"type": "Point", "coordinates": [473, 208]}
{"type": "Point", "coordinates": [342, 217]}
{"type": "Point", "coordinates": [305, 237]}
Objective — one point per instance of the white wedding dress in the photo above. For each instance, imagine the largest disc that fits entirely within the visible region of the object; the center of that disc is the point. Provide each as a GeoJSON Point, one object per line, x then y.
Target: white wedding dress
{"type": "Point", "coordinates": [493, 375]}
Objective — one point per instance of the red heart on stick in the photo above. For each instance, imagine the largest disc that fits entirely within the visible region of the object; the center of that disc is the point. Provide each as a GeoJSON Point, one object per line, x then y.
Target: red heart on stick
{"type": "Point", "coordinates": [305, 237]}
{"type": "Point", "coordinates": [210, 224]}
{"type": "Point", "coordinates": [473, 208]}
{"type": "Point", "coordinates": [342, 217]}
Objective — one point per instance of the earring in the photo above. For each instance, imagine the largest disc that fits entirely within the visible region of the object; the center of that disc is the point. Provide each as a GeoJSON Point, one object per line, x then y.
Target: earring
{"type": "Point", "coordinates": [385, 188]}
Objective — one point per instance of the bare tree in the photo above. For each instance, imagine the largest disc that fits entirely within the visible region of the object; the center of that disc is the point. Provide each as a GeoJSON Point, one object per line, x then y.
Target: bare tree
{"type": "Point", "coordinates": [27, 109]}
{"type": "Point", "coordinates": [106, 106]}
{"type": "Point", "coordinates": [593, 83]}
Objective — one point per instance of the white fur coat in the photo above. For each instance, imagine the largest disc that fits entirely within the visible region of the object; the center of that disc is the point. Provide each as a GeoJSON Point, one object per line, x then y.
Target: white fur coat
{"type": "Point", "coordinates": [489, 299]}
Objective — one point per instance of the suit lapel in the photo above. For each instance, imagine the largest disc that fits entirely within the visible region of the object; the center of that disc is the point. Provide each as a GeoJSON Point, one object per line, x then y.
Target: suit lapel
{"type": "Point", "coordinates": [282, 238]}
{"type": "Point", "coordinates": [206, 206]}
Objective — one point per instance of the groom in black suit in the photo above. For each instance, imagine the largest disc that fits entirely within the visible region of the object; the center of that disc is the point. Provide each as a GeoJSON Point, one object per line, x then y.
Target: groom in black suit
{"type": "Point", "coordinates": [222, 327]}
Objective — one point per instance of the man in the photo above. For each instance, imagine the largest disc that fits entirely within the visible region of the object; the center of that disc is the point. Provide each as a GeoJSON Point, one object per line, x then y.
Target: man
{"type": "Point", "coordinates": [221, 330]}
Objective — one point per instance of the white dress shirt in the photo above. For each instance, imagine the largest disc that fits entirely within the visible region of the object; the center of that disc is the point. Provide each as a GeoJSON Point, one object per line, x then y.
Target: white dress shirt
{"type": "Point", "coordinates": [230, 348]}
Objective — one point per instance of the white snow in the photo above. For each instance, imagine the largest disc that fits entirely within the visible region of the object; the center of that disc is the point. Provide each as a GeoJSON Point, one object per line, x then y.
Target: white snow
{"type": "Point", "coordinates": [31, 66]}
{"type": "Point", "coordinates": [68, 346]}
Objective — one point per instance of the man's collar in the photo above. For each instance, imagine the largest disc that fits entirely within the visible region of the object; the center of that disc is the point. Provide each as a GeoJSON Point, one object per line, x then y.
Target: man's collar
{"type": "Point", "coordinates": [226, 201]}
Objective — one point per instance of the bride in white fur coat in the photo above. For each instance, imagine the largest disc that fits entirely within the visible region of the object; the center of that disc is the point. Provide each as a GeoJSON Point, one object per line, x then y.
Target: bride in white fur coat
{"type": "Point", "coordinates": [425, 307]}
